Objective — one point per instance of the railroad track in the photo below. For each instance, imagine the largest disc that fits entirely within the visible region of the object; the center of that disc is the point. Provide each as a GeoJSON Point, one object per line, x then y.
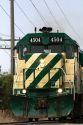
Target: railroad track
{"type": "Point", "coordinates": [45, 122]}
{"type": "Point", "coordinates": [28, 123]}
{"type": "Point", "coordinates": [42, 123]}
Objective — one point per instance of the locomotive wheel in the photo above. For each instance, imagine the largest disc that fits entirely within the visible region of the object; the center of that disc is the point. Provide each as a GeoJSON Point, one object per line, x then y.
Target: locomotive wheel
{"type": "Point", "coordinates": [62, 118]}
{"type": "Point", "coordinates": [49, 119]}
{"type": "Point", "coordinates": [30, 119]}
{"type": "Point", "coordinates": [54, 119]}
{"type": "Point", "coordinates": [36, 119]}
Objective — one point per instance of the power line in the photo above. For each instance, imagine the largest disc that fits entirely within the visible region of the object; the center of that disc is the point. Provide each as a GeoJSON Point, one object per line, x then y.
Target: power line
{"type": "Point", "coordinates": [25, 14]}
{"type": "Point", "coordinates": [3, 48]}
{"type": "Point", "coordinates": [2, 34]}
{"type": "Point", "coordinates": [6, 39]}
{"type": "Point", "coordinates": [4, 10]}
{"type": "Point", "coordinates": [50, 12]}
{"type": "Point", "coordinates": [42, 18]}
{"type": "Point", "coordinates": [7, 54]}
{"type": "Point", "coordinates": [6, 35]}
{"type": "Point", "coordinates": [1, 39]}
{"type": "Point", "coordinates": [6, 46]}
{"type": "Point", "coordinates": [19, 29]}
{"type": "Point", "coordinates": [68, 20]}
{"type": "Point", "coordinates": [9, 17]}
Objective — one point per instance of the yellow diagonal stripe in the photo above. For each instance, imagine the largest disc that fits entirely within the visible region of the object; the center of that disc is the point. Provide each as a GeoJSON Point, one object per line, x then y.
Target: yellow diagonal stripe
{"type": "Point", "coordinates": [32, 60]}
{"type": "Point", "coordinates": [38, 70]}
{"type": "Point", "coordinates": [47, 59]}
{"type": "Point", "coordinates": [45, 79]}
{"type": "Point", "coordinates": [53, 71]}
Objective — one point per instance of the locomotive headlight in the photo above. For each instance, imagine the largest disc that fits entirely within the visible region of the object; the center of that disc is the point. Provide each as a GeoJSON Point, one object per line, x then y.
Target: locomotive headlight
{"type": "Point", "coordinates": [24, 91]}
{"type": "Point", "coordinates": [60, 90]}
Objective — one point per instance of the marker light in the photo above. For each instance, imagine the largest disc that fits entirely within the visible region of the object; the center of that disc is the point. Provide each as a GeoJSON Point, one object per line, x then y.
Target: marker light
{"type": "Point", "coordinates": [24, 91]}
{"type": "Point", "coordinates": [60, 90]}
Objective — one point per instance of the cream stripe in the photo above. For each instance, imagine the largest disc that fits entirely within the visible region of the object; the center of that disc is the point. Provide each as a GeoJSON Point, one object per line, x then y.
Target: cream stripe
{"type": "Point", "coordinates": [32, 60]}
{"type": "Point", "coordinates": [38, 70]}
{"type": "Point", "coordinates": [42, 83]}
{"type": "Point", "coordinates": [48, 58]}
{"type": "Point", "coordinates": [52, 73]}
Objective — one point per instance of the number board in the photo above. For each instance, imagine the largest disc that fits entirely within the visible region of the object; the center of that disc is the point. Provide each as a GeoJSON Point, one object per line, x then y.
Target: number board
{"type": "Point", "coordinates": [56, 40]}
{"type": "Point", "coordinates": [35, 40]}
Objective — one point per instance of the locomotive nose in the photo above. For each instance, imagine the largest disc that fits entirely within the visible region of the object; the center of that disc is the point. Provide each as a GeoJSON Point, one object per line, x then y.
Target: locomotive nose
{"type": "Point", "coordinates": [43, 70]}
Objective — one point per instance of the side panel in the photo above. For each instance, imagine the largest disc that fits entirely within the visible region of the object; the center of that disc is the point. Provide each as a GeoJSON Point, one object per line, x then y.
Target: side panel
{"type": "Point", "coordinates": [18, 76]}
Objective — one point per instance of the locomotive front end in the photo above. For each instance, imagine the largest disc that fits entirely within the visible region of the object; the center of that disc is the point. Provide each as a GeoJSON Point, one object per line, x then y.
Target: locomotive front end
{"type": "Point", "coordinates": [44, 77]}
{"type": "Point", "coordinates": [43, 80]}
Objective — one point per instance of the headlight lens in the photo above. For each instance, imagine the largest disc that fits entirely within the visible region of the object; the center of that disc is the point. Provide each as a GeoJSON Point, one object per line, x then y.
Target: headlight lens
{"type": "Point", "coordinates": [24, 91]}
{"type": "Point", "coordinates": [60, 90]}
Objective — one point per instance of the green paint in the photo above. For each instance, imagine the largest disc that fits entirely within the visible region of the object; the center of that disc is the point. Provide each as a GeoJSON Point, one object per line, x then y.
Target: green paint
{"type": "Point", "coordinates": [45, 70]}
{"type": "Point", "coordinates": [43, 36]}
{"type": "Point", "coordinates": [28, 56]}
{"type": "Point", "coordinates": [60, 106]}
{"type": "Point", "coordinates": [34, 65]}
{"type": "Point", "coordinates": [54, 78]}
{"type": "Point", "coordinates": [57, 106]}
{"type": "Point", "coordinates": [81, 58]}
{"type": "Point", "coordinates": [45, 40]}
{"type": "Point", "coordinates": [18, 105]}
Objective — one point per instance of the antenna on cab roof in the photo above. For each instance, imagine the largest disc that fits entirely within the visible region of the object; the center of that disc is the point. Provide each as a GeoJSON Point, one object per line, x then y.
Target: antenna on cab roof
{"type": "Point", "coordinates": [35, 29]}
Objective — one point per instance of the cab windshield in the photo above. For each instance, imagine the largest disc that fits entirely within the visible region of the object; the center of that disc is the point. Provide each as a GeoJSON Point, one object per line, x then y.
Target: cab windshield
{"type": "Point", "coordinates": [23, 50]}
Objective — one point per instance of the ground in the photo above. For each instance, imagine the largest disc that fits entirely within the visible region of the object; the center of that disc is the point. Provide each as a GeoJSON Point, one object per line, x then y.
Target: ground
{"type": "Point", "coordinates": [6, 116]}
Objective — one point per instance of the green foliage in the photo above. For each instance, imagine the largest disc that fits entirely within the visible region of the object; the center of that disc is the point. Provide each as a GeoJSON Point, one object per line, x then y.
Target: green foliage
{"type": "Point", "coordinates": [7, 83]}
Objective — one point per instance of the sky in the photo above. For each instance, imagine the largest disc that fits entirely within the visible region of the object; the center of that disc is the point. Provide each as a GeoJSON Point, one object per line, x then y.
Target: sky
{"type": "Point", "coordinates": [64, 15]}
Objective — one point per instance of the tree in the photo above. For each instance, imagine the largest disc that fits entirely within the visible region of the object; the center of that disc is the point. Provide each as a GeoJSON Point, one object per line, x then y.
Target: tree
{"type": "Point", "coordinates": [6, 83]}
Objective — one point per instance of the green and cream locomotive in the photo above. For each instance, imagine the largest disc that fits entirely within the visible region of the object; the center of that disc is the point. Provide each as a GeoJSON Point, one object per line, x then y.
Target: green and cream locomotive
{"type": "Point", "coordinates": [48, 77]}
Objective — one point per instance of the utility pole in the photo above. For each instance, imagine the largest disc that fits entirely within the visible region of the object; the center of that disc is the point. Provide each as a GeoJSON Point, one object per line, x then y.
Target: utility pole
{"type": "Point", "coordinates": [12, 34]}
